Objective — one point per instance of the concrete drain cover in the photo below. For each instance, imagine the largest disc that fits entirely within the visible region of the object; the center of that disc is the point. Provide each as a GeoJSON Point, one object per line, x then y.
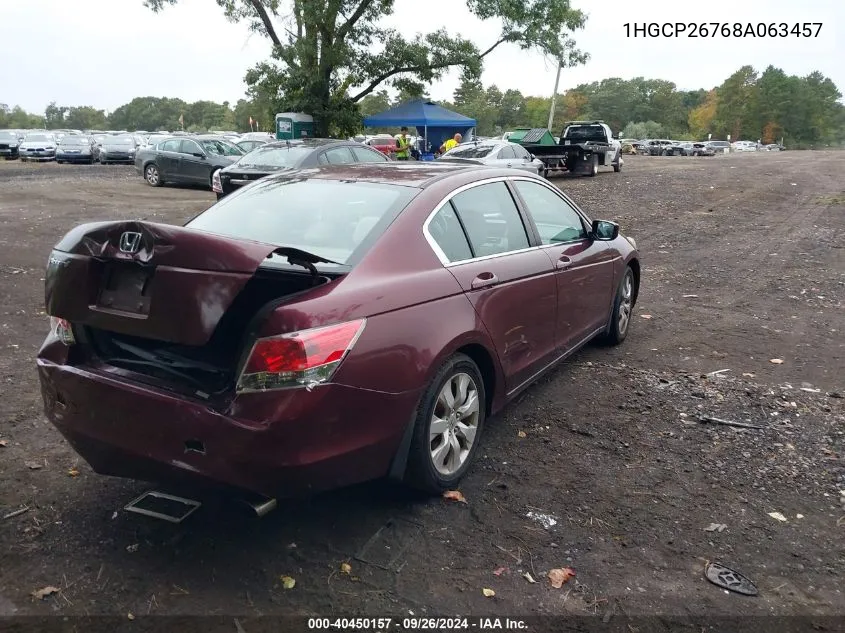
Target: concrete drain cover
{"type": "Point", "coordinates": [729, 579]}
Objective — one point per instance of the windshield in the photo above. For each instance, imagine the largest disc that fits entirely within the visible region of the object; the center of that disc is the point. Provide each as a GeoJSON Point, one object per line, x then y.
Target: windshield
{"type": "Point", "coordinates": [221, 148]}
{"type": "Point", "coordinates": [335, 220]}
{"type": "Point", "coordinates": [75, 139]}
{"type": "Point", "coordinates": [8, 136]}
{"type": "Point", "coordinates": [275, 157]}
{"type": "Point", "coordinates": [478, 151]}
{"type": "Point", "coordinates": [119, 140]}
{"type": "Point", "coordinates": [39, 137]}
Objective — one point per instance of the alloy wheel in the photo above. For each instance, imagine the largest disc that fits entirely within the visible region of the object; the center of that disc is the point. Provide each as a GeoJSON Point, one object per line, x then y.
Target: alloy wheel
{"type": "Point", "coordinates": [454, 423]}
{"type": "Point", "coordinates": [152, 175]}
{"type": "Point", "coordinates": [625, 303]}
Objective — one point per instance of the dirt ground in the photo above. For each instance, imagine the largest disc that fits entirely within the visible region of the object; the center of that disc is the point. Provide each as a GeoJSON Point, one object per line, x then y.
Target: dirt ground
{"type": "Point", "coordinates": [743, 262]}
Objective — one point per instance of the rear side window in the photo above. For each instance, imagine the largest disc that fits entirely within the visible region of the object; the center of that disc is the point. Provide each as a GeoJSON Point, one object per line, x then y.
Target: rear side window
{"type": "Point", "coordinates": [336, 156]}
{"type": "Point", "coordinates": [447, 231]}
{"type": "Point", "coordinates": [366, 155]}
{"type": "Point", "coordinates": [491, 219]}
{"type": "Point", "coordinates": [170, 146]}
{"type": "Point", "coordinates": [336, 220]}
{"type": "Point", "coordinates": [507, 152]}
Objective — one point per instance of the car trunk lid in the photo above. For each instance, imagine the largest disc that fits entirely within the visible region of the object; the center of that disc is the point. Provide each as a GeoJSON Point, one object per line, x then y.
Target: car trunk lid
{"type": "Point", "coordinates": [149, 280]}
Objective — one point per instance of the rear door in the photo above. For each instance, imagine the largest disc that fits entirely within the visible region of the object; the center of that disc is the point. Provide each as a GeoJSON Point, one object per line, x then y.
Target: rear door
{"type": "Point", "coordinates": [505, 157]}
{"type": "Point", "coordinates": [523, 159]}
{"type": "Point", "coordinates": [584, 267]}
{"type": "Point", "coordinates": [168, 158]}
{"type": "Point", "coordinates": [483, 241]}
{"type": "Point", "coordinates": [194, 164]}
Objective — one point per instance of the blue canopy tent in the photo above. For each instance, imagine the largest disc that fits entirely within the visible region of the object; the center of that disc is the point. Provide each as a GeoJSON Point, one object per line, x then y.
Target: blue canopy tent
{"type": "Point", "coordinates": [433, 122]}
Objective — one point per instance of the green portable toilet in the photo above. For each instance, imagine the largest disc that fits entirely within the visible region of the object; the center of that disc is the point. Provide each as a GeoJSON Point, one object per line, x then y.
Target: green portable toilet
{"type": "Point", "coordinates": [291, 125]}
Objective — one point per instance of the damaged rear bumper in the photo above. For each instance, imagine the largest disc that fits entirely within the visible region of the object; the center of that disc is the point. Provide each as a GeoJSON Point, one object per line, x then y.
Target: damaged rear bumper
{"type": "Point", "coordinates": [281, 443]}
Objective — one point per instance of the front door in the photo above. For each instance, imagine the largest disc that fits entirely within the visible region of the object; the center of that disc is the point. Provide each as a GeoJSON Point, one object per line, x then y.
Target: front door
{"type": "Point", "coordinates": [584, 267]}
{"type": "Point", "coordinates": [510, 284]}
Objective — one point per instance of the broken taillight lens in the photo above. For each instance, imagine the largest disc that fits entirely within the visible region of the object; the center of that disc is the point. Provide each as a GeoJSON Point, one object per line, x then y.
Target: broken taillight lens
{"type": "Point", "coordinates": [61, 329]}
{"type": "Point", "coordinates": [304, 358]}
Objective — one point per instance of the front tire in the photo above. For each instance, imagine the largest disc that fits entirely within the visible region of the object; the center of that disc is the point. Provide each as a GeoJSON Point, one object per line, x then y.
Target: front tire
{"type": "Point", "coordinates": [623, 309]}
{"type": "Point", "coordinates": [153, 176]}
{"type": "Point", "coordinates": [449, 421]}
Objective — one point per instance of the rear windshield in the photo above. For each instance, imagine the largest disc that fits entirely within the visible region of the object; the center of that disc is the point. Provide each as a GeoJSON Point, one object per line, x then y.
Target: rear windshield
{"type": "Point", "coordinates": [585, 133]}
{"type": "Point", "coordinates": [275, 157]}
{"type": "Point", "coordinates": [478, 151]}
{"type": "Point", "coordinates": [336, 220]}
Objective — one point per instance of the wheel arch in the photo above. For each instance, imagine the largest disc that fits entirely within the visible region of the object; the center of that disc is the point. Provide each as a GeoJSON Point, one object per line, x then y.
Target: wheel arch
{"type": "Point", "coordinates": [488, 366]}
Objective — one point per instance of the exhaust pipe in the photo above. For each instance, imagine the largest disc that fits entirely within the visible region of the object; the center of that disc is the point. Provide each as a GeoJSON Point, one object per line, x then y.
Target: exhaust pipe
{"type": "Point", "coordinates": [262, 505]}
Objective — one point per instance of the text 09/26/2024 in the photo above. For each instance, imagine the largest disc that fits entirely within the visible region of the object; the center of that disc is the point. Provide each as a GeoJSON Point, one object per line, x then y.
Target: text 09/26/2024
{"type": "Point", "coordinates": [723, 29]}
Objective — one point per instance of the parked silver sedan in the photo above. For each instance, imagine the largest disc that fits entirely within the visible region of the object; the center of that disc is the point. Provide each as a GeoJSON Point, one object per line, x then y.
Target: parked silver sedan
{"type": "Point", "coordinates": [497, 153]}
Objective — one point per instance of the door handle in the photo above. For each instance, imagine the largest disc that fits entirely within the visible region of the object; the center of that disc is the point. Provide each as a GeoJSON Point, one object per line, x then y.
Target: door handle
{"type": "Point", "coordinates": [563, 263]}
{"type": "Point", "coordinates": [509, 165]}
{"type": "Point", "coordinates": [484, 280]}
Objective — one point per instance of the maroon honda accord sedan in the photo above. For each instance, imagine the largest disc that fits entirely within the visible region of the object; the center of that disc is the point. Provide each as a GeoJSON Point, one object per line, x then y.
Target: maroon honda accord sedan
{"type": "Point", "coordinates": [324, 327]}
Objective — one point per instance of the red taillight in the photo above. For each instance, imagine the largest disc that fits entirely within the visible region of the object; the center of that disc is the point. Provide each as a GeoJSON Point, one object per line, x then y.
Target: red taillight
{"type": "Point", "coordinates": [61, 329]}
{"type": "Point", "coordinates": [302, 358]}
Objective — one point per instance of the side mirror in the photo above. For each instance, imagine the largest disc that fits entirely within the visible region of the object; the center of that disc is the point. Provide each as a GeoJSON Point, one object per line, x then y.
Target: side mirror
{"type": "Point", "coordinates": [197, 154]}
{"type": "Point", "coordinates": [604, 231]}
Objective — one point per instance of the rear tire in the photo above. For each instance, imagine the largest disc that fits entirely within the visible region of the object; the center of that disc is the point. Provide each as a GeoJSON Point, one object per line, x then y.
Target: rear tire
{"type": "Point", "coordinates": [454, 401]}
{"type": "Point", "coordinates": [594, 165]}
{"type": "Point", "coordinates": [153, 176]}
{"type": "Point", "coordinates": [623, 308]}
{"type": "Point", "coordinates": [617, 165]}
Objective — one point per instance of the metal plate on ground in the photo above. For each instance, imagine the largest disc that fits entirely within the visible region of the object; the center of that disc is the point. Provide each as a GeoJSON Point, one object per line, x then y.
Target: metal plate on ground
{"type": "Point", "coordinates": [161, 505]}
{"type": "Point", "coordinates": [729, 579]}
{"type": "Point", "coordinates": [385, 548]}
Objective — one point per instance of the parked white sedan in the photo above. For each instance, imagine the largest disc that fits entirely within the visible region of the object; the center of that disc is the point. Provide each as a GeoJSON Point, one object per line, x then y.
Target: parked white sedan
{"type": "Point", "coordinates": [497, 153]}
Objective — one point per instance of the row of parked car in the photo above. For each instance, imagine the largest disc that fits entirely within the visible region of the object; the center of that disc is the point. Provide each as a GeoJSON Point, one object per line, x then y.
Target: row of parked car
{"type": "Point", "coordinates": [665, 147]}
{"type": "Point", "coordinates": [94, 146]}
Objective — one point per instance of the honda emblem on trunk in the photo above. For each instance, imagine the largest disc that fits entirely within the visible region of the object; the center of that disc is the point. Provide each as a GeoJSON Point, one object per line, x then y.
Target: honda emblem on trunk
{"type": "Point", "coordinates": [130, 242]}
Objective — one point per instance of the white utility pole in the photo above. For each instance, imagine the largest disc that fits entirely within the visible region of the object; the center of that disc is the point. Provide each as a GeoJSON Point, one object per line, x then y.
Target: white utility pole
{"type": "Point", "coordinates": [554, 96]}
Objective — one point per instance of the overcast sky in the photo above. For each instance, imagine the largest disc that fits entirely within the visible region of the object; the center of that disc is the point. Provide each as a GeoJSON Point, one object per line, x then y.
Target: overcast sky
{"type": "Point", "coordinates": [105, 52]}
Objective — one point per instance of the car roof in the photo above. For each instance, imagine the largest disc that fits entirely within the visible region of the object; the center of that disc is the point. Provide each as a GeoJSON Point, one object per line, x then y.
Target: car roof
{"type": "Point", "coordinates": [310, 142]}
{"type": "Point", "coordinates": [408, 174]}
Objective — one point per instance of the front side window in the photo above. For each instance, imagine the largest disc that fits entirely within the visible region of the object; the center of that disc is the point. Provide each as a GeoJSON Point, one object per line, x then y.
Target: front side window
{"type": "Point", "coordinates": [555, 218]}
{"type": "Point", "coordinates": [491, 219]}
{"type": "Point", "coordinates": [190, 147]}
{"type": "Point", "coordinates": [507, 153]}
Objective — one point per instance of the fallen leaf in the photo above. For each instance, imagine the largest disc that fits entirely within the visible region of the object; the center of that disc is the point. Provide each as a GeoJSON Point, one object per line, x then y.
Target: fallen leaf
{"type": "Point", "coordinates": [488, 593]}
{"type": "Point", "coordinates": [499, 571]}
{"type": "Point", "coordinates": [454, 495]}
{"type": "Point", "coordinates": [558, 577]}
{"type": "Point", "coordinates": [130, 616]}
{"type": "Point", "coordinates": [529, 577]}
{"type": "Point", "coordinates": [748, 374]}
{"type": "Point", "coordinates": [288, 582]}
{"type": "Point", "coordinates": [33, 465]}
{"type": "Point", "coordinates": [521, 434]}
{"type": "Point", "coordinates": [799, 516]}
{"type": "Point", "coordinates": [73, 472]}
{"type": "Point", "coordinates": [776, 361]}
{"type": "Point", "coordinates": [132, 548]}
{"type": "Point", "coordinates": [345, 568]}
{"type": "Point", "coordinates": [4, 443]}
{"type": "Point", "coordinates": [777, 515]}
{"type": "Point", "coordinates": [715, 527]}
{"type": "Point", "coordinates": [645, 316]}
{"type": "Point", "coordinates": [40, 594]}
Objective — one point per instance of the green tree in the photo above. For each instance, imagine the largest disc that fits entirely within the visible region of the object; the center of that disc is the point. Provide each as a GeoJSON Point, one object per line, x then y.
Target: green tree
{"type": "Point", "coordinates": [85, 118]}
{"type": "Point", "coordinates": [330, 54]}
{"type": "Point", "coordinates": [17, 118]}
{"type": "Point", "coordinates": [643, 130]}
{"type": "Point", "coordinates": [54, 116]}
{"type": "Point", "coordinates": [737, 112]}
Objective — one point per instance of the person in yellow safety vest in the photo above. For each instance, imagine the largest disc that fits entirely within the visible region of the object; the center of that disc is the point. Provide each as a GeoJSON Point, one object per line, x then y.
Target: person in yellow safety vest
{"type": "Point", "coordinates": [403, 143]}
{"type": "Point", "coordinates": [451, 143]}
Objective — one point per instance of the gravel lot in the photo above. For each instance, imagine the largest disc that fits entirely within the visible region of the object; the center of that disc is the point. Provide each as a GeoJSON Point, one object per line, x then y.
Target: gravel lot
{"type": "Point", "coordinates": [743, 263]}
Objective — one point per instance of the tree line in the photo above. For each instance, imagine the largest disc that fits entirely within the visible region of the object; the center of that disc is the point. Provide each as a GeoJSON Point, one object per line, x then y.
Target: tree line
{"type": "Point", "coordinates": [804, 111]}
